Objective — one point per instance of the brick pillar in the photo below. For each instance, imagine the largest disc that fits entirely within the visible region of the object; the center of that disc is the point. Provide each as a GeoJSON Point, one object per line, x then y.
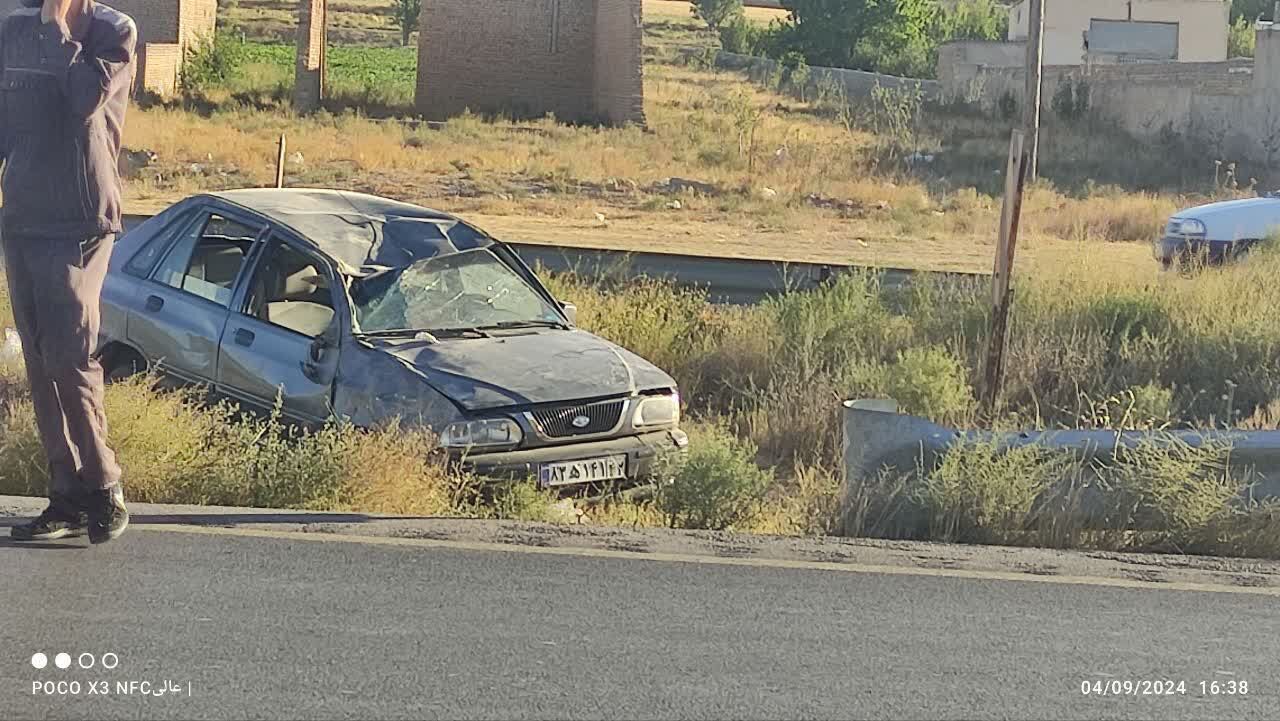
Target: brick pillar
{"type": "Point", "coordinates": [618, 91]}
{"type": "Point", "coordinates": [308, 89]}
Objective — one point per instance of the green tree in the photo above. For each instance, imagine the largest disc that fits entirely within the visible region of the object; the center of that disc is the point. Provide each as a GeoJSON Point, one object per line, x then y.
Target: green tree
{"type": "Point", "coordinates": [1252, 10]}
{"type": "Point", "coordinates": [1242, 41]}
{"type": "Point", "coordinates": [971, 20]}
{"type": "Point", "coordinates": [718, 13]}
{"type": "Point", "coordinates": [864, 34]}
{"type": "Point", "coordinates": [406, 14]}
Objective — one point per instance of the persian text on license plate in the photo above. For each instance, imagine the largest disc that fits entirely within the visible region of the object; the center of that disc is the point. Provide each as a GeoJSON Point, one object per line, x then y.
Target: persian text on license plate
{"type": "Point", "coordinates": [589, 470]}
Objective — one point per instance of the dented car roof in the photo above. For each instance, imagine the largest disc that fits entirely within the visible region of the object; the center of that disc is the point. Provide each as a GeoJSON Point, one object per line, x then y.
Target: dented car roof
{"type": "Point", "coordinates": [365, 234]}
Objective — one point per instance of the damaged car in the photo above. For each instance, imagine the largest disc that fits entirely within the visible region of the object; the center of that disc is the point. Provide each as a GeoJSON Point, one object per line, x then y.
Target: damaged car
{"type": "Point", "coordinates": [326, 304]}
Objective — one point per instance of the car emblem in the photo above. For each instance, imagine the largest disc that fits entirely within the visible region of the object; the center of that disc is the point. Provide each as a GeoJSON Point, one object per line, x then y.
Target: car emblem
{"type": "Point", "coordinates": [581, 421]}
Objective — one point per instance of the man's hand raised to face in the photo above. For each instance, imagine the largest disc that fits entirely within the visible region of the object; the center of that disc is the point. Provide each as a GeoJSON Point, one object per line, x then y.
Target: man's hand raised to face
{"type": "Point", "coordinates": [58, 12]}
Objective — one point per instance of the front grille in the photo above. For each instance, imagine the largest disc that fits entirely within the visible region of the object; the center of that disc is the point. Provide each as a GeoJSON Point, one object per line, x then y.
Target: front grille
{"type": "Point", "coordinates": [560, 422]}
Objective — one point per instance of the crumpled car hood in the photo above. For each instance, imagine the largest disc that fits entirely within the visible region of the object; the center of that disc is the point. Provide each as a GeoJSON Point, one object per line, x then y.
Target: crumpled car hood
{"type": "Point", "coordinates": [525, 369]}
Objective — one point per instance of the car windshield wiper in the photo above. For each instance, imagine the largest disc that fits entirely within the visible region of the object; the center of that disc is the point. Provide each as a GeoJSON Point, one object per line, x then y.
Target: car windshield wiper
{"type": "Point", "coordinates": [458, 332]}
{"type": "Point", "coordinates": [507, 324]}
{"type": "Point", "coordinates": [422, 333]}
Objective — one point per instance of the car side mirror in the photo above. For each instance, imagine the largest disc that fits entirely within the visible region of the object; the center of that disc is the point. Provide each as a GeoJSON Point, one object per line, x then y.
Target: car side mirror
{"type": "Point", "coordinates": [570, 311]}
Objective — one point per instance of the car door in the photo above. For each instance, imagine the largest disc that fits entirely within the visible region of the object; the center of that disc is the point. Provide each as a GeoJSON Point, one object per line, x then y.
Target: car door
{"type": "Point", "coordinates": [269, 350]}
{"type": "Point", "coordinates": [181, 310]}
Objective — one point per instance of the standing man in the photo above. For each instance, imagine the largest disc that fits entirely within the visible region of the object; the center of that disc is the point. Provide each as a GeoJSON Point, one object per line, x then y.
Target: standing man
{"type": "Point", "coordinates": [66, 69]}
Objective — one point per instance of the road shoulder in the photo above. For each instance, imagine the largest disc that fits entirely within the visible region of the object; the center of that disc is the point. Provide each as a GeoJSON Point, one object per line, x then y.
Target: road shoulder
{"type": "Point", "coordinates": [1175, 572]}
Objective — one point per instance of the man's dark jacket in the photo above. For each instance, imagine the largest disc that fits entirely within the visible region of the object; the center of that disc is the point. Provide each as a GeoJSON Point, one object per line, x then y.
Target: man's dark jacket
{"type": "Point", "coordinates": [62, 107]}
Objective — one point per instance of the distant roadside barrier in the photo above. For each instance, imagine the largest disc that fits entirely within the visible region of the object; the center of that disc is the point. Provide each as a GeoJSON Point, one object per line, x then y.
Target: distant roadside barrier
{"type": "Point", "coordinates": [725, 280]}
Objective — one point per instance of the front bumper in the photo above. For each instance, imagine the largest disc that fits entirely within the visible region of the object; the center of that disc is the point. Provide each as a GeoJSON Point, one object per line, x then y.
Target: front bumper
{"type": "Point", "coordinates": [1173, 250]}
{"type": "Point", "coordinates": [642, 452]}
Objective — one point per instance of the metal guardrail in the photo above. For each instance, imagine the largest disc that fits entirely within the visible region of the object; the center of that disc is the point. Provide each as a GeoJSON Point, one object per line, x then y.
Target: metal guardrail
{"type": "Point", "coordinates": [725, 280]}
{"type": "Point", "coordinates": [877, 438]}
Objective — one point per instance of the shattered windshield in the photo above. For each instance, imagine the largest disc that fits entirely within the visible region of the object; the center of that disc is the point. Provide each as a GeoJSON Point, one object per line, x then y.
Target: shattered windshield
{"type": "Point", "coordinates": [471, 289]}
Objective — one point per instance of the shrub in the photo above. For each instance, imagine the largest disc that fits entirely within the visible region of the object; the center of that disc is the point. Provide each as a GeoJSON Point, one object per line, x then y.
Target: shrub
{"type": "Point", "coordinates": [1168, 485]}
{"type": "Point", "coordinates": [718, 13]}
{"type": "Point", "coordinates": [805, 504]}
{"type": "Point", "coordinates": [213, 61]}
{"type": "Point", "coordinates": [716, 485]}
{"type": "Point", "coordinates": [841, 323]}
{"type": "Point", "coordinates": [930, 382]}
{"type": "Point", "coordinates": [1249, 531]}
{"type": "Point", "coordinates": [797, 72]}
{"type": "Point", "coordinates": [1242, 39]}
{"type": "Point", "coordinates": [740, 35]}
{"type": "Point", "coordinates": [971, 20]}
{"type": "Point", "coordinates": [980, 493]}
{"type": "Point", "coordinates": [523, 501]}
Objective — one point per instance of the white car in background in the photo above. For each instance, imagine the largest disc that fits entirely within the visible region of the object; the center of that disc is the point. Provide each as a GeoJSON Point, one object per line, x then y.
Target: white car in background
{"type": "Point", "coordinates": [1218, 232]}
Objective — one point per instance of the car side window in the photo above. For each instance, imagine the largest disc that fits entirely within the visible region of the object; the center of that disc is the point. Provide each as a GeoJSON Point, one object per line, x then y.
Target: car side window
{"type": "Point", "coordinates": [145, 259]}
{"type": "Point", "coordinates": [291, 289]}
{"type": "Point", "coordinates": [208, 258]}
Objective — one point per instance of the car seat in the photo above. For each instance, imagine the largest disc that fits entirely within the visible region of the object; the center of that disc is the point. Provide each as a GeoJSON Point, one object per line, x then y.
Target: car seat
{"type": "Point", "coordinates": [301, 301]}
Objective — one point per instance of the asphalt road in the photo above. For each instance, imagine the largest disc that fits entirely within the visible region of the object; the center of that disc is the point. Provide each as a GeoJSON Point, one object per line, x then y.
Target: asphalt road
{"type": "Point", "coordinates": [272, 627]}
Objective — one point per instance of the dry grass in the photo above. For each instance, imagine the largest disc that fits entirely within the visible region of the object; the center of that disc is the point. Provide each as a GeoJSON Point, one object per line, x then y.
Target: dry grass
{"type": "Point", "coordinates": [679, 10]}
{"type": "Point", "coordinates": [1110, 216]}
{"type": "Point", "coordinates": [775, 165]}
{"type": "Point", "coordinates": [175, 450]}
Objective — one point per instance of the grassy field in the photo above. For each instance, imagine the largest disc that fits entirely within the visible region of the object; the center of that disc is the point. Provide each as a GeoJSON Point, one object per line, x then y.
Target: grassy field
{"type": "Point", "coordinates": [372, 22]}
{"type": "Point", "coordinates": [762, 165]}
{"type": "Point", "coordinates": [763, 386]}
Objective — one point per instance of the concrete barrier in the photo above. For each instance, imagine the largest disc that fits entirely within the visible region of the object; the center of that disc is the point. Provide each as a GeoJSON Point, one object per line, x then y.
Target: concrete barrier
{"type": "Point", "coordinates": [725, 280]}
{"type": "Point", "coordinates": [877, 437]}
{"type": "Point", "coordinates": [857, 84]}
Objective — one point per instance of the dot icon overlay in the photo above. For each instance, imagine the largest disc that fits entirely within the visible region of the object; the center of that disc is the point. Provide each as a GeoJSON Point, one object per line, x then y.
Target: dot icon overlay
{"type": "Point", "coordinates": [39, 660]}
{"type": "Point", "coordinates": [62, 660]}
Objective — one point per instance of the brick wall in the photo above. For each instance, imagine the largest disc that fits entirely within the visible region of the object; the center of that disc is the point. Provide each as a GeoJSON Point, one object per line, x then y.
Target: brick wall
{"type": "Point", "coordinates": [577, 59]}
{"type": "Point", "coordinates": [172, 27]}
{"type": "Point", "coordinates": [159, 67]}
{"type": "Point", "coordinates": [157, 20]}
{"type": "Point", "coordinates": [308, 86]}
{"type": "Point", "coordinates": [197, 19]}
{"type": "Point", "coordinates": [166, 29]}
{"type": "Point", "coordinates": [619, 62]}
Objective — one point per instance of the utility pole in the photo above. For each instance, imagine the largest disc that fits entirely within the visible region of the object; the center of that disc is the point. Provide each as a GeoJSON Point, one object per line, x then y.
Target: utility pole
{"type": "Point", "coordinates": [280, 163]}
{"type": "Point", "coordinates": [1035, 67]}
{"type": "Point", "coordinates": [1002, 279]}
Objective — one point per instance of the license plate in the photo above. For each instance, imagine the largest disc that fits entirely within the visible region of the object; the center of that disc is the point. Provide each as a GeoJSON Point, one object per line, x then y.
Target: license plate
{"type": "Point", "coordinates": [589, 470]}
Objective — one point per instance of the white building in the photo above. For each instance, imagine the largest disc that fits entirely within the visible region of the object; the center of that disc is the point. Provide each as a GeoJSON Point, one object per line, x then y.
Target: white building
{"type": "Point", "coordinates": [1128, 30]}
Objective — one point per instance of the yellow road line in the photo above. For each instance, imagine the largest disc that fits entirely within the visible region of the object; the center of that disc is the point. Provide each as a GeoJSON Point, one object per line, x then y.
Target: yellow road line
{"type": "Point", "coordinates": [776, 563]}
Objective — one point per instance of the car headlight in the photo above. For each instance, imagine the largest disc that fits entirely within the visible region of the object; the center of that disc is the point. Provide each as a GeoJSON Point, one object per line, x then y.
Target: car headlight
{"type": "Point", "coordinates": [482, 434]}
{"type": "Point", "coordinates": [657, 411]}
{"type": "Point", "coordinates": [1191, 227]}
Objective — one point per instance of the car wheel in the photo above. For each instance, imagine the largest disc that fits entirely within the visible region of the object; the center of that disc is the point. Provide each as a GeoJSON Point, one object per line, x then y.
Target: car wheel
{"type": "Point", "coordinates": [123, 364]}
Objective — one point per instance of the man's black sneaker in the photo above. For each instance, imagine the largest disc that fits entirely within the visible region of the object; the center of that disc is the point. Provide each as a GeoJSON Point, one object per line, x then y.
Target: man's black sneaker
{"type": "Point", "coordinates": [108, 516]}
{"type": "Point", "coordinates": [61, 519]}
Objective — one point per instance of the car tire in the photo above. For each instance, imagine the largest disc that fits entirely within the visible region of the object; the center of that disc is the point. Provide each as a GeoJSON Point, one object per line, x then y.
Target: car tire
{"type": "Point", "coordinates": [122, 364]}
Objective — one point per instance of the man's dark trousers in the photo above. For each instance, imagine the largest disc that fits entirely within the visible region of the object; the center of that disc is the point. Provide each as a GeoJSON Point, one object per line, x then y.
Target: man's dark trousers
{"type": "Point", "coordinates": [55, 286]}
